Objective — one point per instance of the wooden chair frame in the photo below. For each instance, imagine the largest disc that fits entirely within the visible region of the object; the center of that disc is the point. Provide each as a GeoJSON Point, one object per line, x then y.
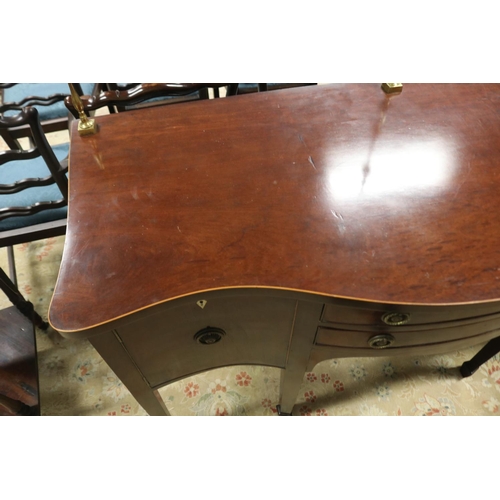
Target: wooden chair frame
{"type": "Point", "coordinates": [29, 117]}
{"type": "Point", "coordinates": [112, 95]}
{"type": "Point", "coordinates": [12, 135]}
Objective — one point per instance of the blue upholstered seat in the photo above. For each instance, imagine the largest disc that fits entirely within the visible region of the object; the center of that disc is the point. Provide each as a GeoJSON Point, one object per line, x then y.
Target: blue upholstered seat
{"type": "Point", "coordinates": [31, 169]}
{"type": "Point", "coordinates": [20, 91]}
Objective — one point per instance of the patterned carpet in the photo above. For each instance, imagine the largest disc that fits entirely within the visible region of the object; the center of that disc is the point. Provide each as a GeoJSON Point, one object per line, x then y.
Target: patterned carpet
{"type": "Point", "coordinates": [74, 380]}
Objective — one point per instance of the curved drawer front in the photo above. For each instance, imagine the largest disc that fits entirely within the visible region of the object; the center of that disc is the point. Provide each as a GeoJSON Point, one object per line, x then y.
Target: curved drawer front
{"type": "Point", "coordinates": [378, 316]}
{"type": "Point", "coordinates": [210, 333]}
{"type": "Point", "coordinates": [358, 339]}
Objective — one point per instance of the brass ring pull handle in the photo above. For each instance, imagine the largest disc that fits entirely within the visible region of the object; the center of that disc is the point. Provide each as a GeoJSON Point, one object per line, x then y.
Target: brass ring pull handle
{"type": "Point", "coordinates": [395, 318]}
{"type": "Point", "coordinates": [381, 341]}
{"type": "Point", "coordinates": [209, 335]}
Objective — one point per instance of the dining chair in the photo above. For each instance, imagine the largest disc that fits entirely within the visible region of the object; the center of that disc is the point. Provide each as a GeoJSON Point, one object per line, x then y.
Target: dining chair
{"type": "Point", "coordinates": [33, 194]}
{"type": "Point", "coordinates": [48, 98]}
{"type": "Point", "coordinates": [125, 97]}
{"type": "Point", "coordinates": [19, 388]}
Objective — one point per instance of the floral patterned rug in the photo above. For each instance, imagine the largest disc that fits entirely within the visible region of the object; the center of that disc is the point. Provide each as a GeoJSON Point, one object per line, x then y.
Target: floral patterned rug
{"type": "Point", "coordinates": [74, 380]}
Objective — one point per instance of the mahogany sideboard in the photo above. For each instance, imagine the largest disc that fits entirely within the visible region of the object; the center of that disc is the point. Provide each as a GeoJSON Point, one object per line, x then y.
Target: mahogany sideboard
{"type": "Point", "coordinates": [284, 228]}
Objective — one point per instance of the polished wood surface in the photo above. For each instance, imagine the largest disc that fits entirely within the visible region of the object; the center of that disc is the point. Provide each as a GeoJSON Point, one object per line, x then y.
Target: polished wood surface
{"type": "Point", "coordinates": [298, 225]}
{"type": "Point", "coordinates": [334, 190]}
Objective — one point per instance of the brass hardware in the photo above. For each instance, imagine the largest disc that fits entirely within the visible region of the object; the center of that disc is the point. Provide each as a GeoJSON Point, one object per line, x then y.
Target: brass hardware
{"type": "Point", "coordinates": [209, 335]}
{"type": "Point", "coordinates": [201, 303]}
{"type": "Point", "coordinates": [381, 341]}
{"type": "Point", "coordinates": [86, 126]}
{"type": "Point", "coordinates": [392, 88]}
{"type": "Point", "coordinates": [395, 318]}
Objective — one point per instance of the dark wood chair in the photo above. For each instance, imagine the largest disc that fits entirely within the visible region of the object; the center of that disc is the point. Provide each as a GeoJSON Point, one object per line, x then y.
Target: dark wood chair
{"type": "Point", "coordinates": [20, 303]}
{"type": "Point", "coordinates": [492, 348]}
{"type": "Point", "coordinates": [48, 98]}
{"type": "Point", "coordinates": [124, 97]}
{"type": "Point", "coordinates": [33, 193]}
{"type": "Point", "coordinates": [19, 388]}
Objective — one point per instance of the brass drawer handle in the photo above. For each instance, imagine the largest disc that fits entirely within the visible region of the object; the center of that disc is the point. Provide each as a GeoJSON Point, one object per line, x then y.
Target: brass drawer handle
{"type": "Point", "coordinates": [395, 318]}
{"type": "Point", "coordinates": [381, 341]}
{"type": "Point", "coordinates": [209, 335]}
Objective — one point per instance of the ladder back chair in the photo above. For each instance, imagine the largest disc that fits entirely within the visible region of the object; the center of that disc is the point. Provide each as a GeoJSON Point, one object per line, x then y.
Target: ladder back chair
{"type": "Point", "coordinates": [125, 97]}
{"type": "Point", "coordinates": [48, 98]}
{"type": "Point", "coordinates": [33, 195]}
{"type": "Point", "coordinates": [19, 387]}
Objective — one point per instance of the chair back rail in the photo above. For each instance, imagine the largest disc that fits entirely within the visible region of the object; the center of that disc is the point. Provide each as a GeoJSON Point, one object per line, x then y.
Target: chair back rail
{"type": "Point", "coordinates": [32, 100]}
{"type": "Point", "coordinates": [56, 170]}
{"type": "Point", "coordinates": [130, 95]}
{"type": "Point", "coordinates": [47, 97]}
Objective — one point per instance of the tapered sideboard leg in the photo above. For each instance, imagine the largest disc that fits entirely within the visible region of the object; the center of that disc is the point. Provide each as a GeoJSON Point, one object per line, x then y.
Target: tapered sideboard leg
{"type": "Point", "coordinates": [487, 352]}
{"type": "Point", "coordinates": [307, 315]}
{"type": "Point", "coordinates": [290, 382]}
{"type": "Point", "coordinates": [115, 355]}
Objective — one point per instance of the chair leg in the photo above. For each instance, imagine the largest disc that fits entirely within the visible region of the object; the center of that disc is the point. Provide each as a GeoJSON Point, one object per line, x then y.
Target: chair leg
{"type": "Point", "coordinates": [12, 265]}
{"type": "Point", "coordinates": [487, 352]}
{"type": "Point", "coordinates": [23, 305]}
{"type": "Point", "coordinates": [232, 89]}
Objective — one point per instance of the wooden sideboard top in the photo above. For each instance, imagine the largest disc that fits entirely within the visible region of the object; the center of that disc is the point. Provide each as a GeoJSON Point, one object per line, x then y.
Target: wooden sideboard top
{"type": "Point", "coordinates": [336, 190]}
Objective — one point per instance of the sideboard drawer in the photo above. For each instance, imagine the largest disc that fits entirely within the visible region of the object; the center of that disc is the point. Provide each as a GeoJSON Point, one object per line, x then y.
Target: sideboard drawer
{"type": "Point", "coordinates": [365, 339]}
{"type": "Point", "coordinates": [378, 315]}
{"type": "Point", "coordinates": [209, 333]}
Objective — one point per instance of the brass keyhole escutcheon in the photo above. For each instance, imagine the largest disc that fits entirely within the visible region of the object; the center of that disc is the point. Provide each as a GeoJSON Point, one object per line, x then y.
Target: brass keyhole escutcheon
{"type": "Point", "coordinates": [381, 341]}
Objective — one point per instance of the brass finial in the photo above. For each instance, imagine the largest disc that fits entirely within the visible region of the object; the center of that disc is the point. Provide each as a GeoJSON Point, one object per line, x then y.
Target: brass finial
{"type": "Point", "coordinates": [86, 126]}
{"type": "Point", "coordinates": [392, 88]}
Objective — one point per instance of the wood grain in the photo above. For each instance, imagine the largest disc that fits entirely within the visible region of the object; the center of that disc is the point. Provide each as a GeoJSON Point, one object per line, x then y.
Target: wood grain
{"type": "Point", "coordinates": [335, 190]}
